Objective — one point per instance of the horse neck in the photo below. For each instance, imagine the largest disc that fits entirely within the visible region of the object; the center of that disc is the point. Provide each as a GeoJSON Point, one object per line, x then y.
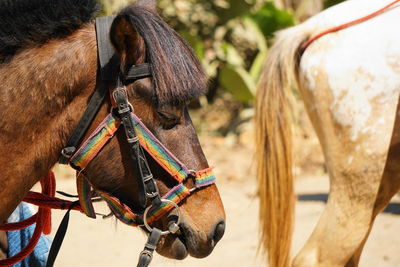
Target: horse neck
{"type": "Point", "coordinates": [44, 91]}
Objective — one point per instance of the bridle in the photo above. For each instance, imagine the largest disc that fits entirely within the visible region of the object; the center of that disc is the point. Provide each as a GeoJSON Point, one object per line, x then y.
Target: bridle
{"type": "Point", "coordinates": [139, 139]}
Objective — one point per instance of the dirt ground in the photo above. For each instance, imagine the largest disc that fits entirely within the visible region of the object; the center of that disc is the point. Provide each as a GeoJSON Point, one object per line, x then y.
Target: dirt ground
{"type": "Point", "coordinates": [110, 243]}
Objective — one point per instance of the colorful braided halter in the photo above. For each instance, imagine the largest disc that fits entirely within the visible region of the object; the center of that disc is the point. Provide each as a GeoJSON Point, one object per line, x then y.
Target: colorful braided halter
{"type": "Point", "coordinates": [139, 139]}
{"type": "Point", "coordinates": [99, 138]}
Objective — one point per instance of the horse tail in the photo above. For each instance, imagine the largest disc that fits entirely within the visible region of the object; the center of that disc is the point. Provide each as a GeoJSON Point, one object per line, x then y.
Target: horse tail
{"type": "Point", "coordinates": [274, 145]}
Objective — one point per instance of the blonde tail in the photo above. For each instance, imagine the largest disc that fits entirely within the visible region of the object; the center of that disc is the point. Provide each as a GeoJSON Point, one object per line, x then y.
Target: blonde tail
{"type": "Point", "coordinates": [274, 147]}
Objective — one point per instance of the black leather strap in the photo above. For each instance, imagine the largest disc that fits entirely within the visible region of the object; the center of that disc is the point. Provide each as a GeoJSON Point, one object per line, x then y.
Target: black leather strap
{"type": "Point", "coordinates": [93, 107]}
{"type": "Point", "coordinates": [146, 184]}
{"type": "Point", "coordinates": [137, 72]}
{"type": "Point", "coordinates": [59, 237]}
{"type": "Point", "coordinates": [109, 63]}
{"type": "Point", "coordinates": [147, 254]}
{"type": "Point", "coordinates": [109, 68]}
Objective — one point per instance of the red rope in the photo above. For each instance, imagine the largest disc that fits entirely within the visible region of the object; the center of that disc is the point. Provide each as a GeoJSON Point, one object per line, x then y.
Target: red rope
{"type": "Point", "coordinates": [41, 200]}
{"type": "Point", "coordinates": [31, 245]}
{"type": "Point", "coordinates": [345, 25]}
{"type": "Point", "coordinates": [46, 201]}
{"type": "Point", "coordinates": [50, 190]}
{"type": "Point", "coordinates": [19, 225]}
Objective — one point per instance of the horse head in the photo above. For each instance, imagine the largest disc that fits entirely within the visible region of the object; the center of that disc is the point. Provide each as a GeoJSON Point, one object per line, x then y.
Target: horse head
{"type": "Point", "coordinates": [140, 36]}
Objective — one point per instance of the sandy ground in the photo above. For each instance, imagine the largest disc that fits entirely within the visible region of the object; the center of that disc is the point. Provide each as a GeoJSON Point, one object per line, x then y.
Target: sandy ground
{"type": "Point", "coordinates": [110, 243]}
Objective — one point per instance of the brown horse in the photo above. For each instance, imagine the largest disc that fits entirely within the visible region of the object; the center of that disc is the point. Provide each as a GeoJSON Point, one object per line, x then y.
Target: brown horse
{"type": "Point", "coordinates": [350, 82]}
{"type": "Point", "coordinates": [49, 70]}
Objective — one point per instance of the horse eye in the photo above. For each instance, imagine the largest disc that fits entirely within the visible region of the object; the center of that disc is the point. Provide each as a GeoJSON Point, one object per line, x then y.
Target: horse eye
{"type": "Point", "coordinates": [168, 120]}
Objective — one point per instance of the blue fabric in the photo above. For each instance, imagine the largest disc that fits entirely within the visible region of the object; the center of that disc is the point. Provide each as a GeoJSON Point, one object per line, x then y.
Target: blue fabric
{"type": "Point", "coordinates": [17, 240]}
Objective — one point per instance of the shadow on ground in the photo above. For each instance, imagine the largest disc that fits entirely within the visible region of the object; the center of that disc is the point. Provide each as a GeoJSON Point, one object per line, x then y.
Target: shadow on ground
{"type": "Point", "coordinates": [392, 208]}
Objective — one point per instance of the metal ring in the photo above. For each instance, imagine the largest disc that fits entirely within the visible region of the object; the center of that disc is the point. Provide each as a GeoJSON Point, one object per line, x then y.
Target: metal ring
{"type": "Point", "coordinates": [130, 105]}
{"type": "Point", "coordinates": [149, 228]}
{"type": "Point", "coordinates": [66, 154]}
{"type": "Point", "coordinates": [192, 174]}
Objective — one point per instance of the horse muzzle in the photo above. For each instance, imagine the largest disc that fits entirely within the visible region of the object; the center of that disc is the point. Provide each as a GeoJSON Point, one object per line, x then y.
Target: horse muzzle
{"type": "Point", "coordinates": [190, 240]}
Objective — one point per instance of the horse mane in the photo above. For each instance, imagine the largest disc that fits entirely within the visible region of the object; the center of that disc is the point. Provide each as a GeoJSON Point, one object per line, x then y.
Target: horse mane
{"type": "Point", "coordinates": [176, 72]}
{"type": "Point", "coordinates": [27, 23]}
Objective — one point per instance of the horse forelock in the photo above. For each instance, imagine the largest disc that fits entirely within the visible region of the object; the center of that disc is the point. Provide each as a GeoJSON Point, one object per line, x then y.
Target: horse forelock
{"type": "Point", "coordinates": [29, 23]}
{"type": "Point", "coordinates": [177, 74]}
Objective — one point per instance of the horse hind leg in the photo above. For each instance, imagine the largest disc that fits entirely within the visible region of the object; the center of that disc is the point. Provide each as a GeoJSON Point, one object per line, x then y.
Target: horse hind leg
{"type": "Point", "coordinates": [356, 166]}
{"type": "Point", "coordinates": [347, 218]}
{"type": "Point", "coordinates": [389, 186]}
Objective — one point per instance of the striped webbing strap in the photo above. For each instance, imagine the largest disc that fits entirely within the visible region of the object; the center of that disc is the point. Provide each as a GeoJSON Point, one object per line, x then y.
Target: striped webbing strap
{"type": "Point", "coordinates": [98, 139]}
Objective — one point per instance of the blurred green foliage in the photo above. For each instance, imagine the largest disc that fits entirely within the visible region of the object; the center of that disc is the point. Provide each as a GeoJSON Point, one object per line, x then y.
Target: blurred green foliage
{"type": "Point", "coordinates": [230, 37]}
{"type": "Point", "coordinates": [108, 7]}
{"type": "Point", "coordinates": [270, 19]}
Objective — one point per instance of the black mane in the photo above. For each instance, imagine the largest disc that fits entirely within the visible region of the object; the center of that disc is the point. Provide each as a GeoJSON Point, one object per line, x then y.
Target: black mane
{"type": "Point", "coordinates": [177, 73]}
{"type": "Point", "coordinates": [25, 23]}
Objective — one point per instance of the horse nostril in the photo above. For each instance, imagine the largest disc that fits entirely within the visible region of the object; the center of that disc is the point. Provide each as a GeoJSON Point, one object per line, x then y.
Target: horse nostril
{"type": "Point", "coordinates": [219, 231]}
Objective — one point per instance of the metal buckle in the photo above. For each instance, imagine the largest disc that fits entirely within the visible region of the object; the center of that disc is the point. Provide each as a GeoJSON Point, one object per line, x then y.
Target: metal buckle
{"type": "Point", "coordinates": [133, 140]}
{"type": "Point", "coordinates": [67, 152]}
{"type": "Point", "coordinates": [192, 174]}
{"type": "Point", "coordinates": [114, 95]}
{"type": "Point", "coordinates": [117, 90]}
{"type": "Point", "coordinates": [173, 228]}
{"type": "Point", "coordinates": [149, 179]}
{"type": "Point", "coordinates": [148, 253]}
{"type": "Point", "coordinates": [152, 194]}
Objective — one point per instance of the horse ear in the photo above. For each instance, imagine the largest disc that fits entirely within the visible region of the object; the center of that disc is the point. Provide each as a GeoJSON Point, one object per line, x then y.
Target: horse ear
{"type": "Point", "coordinates": [128, 43]}
{"type": "Point", "coordinates": [149, 4]}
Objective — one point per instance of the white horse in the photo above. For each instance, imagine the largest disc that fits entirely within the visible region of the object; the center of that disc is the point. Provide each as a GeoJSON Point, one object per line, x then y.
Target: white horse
{"type": "Point", "coordinates": [350, 83]}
